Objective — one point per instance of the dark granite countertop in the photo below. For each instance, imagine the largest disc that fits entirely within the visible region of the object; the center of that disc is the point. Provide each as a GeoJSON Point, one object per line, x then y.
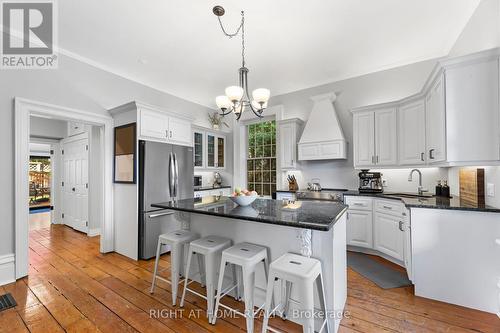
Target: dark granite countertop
{"type": "Point", "coordinates": [306, 214]}
{"type": "Point", "coordinates": [433, 202]}
{"type": "Point", "coordinates": [209, 188]}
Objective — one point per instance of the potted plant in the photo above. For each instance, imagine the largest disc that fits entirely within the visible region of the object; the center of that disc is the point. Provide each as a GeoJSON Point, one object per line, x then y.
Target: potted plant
{"type": "Point", "coordinates": [216, 121]}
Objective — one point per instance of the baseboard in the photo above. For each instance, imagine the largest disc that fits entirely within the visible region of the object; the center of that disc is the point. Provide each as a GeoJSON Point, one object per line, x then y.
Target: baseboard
{"type": "Point", "coordinates": [94, 232]}
{"type": "Point", "coordinates": [7, 269]}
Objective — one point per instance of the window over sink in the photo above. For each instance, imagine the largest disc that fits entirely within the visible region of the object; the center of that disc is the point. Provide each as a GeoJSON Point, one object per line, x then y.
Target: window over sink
{"type": "Point", "coordinates": [261, 157]}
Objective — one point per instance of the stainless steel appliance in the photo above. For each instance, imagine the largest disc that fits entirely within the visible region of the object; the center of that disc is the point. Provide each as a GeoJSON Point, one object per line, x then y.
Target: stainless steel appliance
{"type": "Point", "coordinates": [370, 182]}
{"type": "Point", "coordinates": [314, 185]}
{"type": "Point", "coordinates": [336, 195]}
{"type": "Point", "coordinates": [217, 179]}
{"type": "Point", "coordinates": [197, 181]}
{"type": "Point", "coordinates": [165, 174]}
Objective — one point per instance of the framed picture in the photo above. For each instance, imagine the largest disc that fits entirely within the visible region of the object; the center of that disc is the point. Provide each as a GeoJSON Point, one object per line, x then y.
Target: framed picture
{"type": "Point", "coordinates": [125, 154]}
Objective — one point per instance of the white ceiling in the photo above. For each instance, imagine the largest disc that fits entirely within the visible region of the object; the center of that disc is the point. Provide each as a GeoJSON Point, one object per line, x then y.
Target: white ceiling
{"type": "Point", "coordinates": [177, 46]}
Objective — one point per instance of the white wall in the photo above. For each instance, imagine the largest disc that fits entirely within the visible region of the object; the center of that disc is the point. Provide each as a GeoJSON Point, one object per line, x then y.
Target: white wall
{"type": "Point", "coordinates": [75, 85]}
{"type": "Point", "coordinates": [48, 128]}
{"type": "Point", "coordinates": [482, 32]}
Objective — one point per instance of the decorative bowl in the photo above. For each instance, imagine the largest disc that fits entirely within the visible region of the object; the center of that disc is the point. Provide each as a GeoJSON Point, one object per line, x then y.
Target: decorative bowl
{"type": "Point", "coordinates": [244, 200]}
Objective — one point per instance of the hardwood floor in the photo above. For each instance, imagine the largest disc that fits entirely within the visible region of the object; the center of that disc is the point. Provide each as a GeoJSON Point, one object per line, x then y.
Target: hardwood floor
{"type": "Point", "coordinates": [72, 287]}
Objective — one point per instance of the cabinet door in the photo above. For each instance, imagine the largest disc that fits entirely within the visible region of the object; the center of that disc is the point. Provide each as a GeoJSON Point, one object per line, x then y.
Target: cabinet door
{"type": "Point", "coordinates": [198, 139]}
{"type": "Point", "coordinates": [287, 146]}
{"type": "Point", "coordinates": [154, 125]}
{"type": "Point", "coordinates": [412, 133]}
{"type": "Point", "coordinates": [221, 152]}
{"type": "Point", "coordinates": [359, 228]}
{"type": "Point", "coordinates": [180, 131]}
{"type": "Point", "coordinates": [435, 118]}
{"type": "Point", "coordinates": [364, 139]}
{"type": "Point", "coordinates": [211, 150]}
{"type": "Point", "coordinates": [386, 137]}
{"type": "Point", "coordinates": [388, 238]}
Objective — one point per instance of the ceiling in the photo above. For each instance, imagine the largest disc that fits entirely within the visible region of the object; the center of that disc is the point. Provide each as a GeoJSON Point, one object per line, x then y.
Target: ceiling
{"type": "Point", "coordinates": [176, 46]}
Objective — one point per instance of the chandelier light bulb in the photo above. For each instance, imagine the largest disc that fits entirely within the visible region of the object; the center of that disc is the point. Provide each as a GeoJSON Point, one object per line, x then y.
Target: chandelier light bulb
{"type": "Point", "coordinates": [256, 105]}
{"type": "Point", "coordinates": [261, 95]}
{"type": "Point", "coordinates": [223, 102]}
{"type": "Point", "coordinates": [234, 93]}
{"type": "Point", "coordinates": [239, 108]}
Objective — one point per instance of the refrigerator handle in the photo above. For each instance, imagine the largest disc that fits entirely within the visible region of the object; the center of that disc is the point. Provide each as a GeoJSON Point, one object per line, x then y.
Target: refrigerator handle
{"type": "Point", "coordinates": [176, 184]}
{"type": "Point", "coordinates": [171, 175]}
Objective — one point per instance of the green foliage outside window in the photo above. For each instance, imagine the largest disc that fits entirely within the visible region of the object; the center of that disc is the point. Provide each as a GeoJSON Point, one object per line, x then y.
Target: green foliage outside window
{"type": "Point", "coordinates": [261, 157]}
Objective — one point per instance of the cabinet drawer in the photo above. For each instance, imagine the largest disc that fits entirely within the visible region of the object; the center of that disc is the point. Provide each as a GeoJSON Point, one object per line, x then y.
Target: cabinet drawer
{"type": "Point", "coordinates": [392, 207]}
{"type": "Point", "coordinates": [359, 203]}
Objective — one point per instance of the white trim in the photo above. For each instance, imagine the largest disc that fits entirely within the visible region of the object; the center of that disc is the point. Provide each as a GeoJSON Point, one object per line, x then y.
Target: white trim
{"type": "Point", "coordinates": [23, 108]}
{"type": "Point", "coordinates": [7, 269]}
{"type": "Point", "coordinates": [94, 232]}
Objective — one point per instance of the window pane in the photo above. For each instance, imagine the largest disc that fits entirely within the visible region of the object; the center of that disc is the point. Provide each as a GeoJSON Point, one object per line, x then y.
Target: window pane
{"type": "Point", "coordinates": [266, 177]}
{"type": "Point", "coordinates": [266, 189]}
{"type": "Point", "coordinates": [261, 157]}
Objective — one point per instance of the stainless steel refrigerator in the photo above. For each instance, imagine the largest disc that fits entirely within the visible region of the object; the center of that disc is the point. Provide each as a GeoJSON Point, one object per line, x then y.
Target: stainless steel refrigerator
{"type": "Point", "coordinates": [165, 174]}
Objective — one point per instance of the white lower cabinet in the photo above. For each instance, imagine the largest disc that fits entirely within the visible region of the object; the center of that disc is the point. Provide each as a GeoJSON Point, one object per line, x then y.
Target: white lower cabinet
{"type": "Point", "coordinates": [388, 238]}
{"type": "Point", "coordinates": [359, 228]}
{"type": "Point", "coordinates": [379, 226]}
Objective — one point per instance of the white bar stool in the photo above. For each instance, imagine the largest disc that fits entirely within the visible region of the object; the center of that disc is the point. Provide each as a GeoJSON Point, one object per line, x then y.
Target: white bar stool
{"type": "Point", "coordinates": [247, 256]}
{"type": "Point", "coordinates": [210, 248]}
{"type": "Point", "coordinates": [302, 272]}
{"type": "Point", "coordinates": [177, 240]}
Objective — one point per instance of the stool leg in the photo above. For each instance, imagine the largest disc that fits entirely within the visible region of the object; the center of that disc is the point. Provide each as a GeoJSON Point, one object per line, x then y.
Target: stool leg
{"type": "Point", "coordinates": [158, 249]}
{"type": "Point", "coordinates": [190, 255]}
{"type": "Point", "coordinates": [286, 301]}
{"type": "Point", "coordinates": [201, 270]}
{"type": "Point", "coordinates": [248, 288]}
{"type": "Point", "coordinates": [219, 289]}
{"type": "Point", "coordinates": [210, 274]}
{"type": "Point", "coordinates": [269, 299]}
{"type": "Point", "coordinates": [322, 300]}
{"type": "Point", "coordinates": [266, 273]}
{"type": "Point", "coordinates": [306, 292]}
{"type": "Point", "coordinates": [175, 265]}
{"type": "Point", "coordinates": [239, 283]}
{"type": "Point", "coordinates": [236, 282]}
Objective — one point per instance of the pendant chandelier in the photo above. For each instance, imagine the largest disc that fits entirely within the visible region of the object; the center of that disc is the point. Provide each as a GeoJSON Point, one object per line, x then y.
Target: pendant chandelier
{"type": "Point", "coordinates": [237, 99]}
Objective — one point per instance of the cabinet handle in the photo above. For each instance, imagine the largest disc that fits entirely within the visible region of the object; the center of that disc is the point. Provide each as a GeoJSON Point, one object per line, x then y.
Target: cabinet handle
{"type": "Point", "coordinates": [170, 134]}
{"type": "Point", "coordinates": [373, 159]}
{"type": "Point", "coordinates": [358, 204]}
{"type": "Point", "coordinates": [401, 225]}
{"type": "Point", "coordinates": [166, 134]}
{"type": "Point", "coordinates": [387, 207]}
{"type": "Point", "coordinates": [431, 154]}
{"type": "Point", "coordinates": [422, 157]}
{"type": "Point", "coordinates": [377, 159]}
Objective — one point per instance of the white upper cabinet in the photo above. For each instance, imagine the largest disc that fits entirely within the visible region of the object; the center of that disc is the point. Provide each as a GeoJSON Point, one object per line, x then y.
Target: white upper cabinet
{"type": "Point", "coordinates": [159, 126]}
{"type": "Point", "coordinates": [386, 137]}
{"type": "Point", "coordinates": [364, 139]}
{"type": "Point", "coordinates": [375, 138]}
{"type": "Point", "coordinates": [209, 150]}
{"type": "Point", "coordinates": [412, 133]}
{"type": "Point", "coordinates": [472, 112]}
{"type": "Point", "coordinates": [288, 134]}
{"type": "Point", "coordinates": [435, 122]}
{"type": "Point", "coordinates": [153, 125]}
{"type": "Point", "coordinates": [179, 131]}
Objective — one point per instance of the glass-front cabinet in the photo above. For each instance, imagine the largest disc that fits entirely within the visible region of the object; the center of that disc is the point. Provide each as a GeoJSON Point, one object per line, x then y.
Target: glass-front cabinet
{"type": "Point", "coordinates": [209, 150]}
{"type": "Point", "coordinates": [198, 139]}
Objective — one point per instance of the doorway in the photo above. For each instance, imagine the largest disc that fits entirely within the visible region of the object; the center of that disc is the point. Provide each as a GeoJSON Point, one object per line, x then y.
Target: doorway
{"type": "Point", "coordinates": [103, 189]}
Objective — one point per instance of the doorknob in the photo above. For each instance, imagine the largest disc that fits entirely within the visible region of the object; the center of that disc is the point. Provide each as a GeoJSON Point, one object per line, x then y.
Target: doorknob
{"type": "Point", "coordinates": [73, 189]}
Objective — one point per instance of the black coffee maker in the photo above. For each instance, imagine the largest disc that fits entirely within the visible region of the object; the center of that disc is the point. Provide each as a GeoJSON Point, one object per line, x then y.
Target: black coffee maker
{"type": "Point", "coordinates": [370, 182]}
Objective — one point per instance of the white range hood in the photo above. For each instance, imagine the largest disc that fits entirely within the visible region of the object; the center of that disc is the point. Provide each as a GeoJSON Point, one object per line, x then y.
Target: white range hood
{"type": "Point", "coordinates": [322, 138]}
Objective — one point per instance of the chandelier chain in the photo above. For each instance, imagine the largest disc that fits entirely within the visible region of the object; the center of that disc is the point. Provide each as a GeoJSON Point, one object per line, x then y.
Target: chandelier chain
{"type": "Point", "coordinates": [241, 28]}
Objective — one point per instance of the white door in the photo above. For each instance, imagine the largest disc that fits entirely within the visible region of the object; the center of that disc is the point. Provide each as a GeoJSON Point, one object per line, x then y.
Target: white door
{"type": "Point", "coordinates": [412, 133]}
{"type": "Point", "coordinates": [359, 228]}
{"type": "Point", "coordinates": [388, 238]}
{"type": "Point", "coordinates": [287, 146]}
{"type": "Point", "coordinates": [75, 186]}
{"type": "Point", "coordinates": [386, 137]}
{"type": "Point", "coordinates": [364, 139]}
{"type": "Point", "coordinates": [180, 131]}
{"type": "Point", "coordinates": [435, 127]}
{"type": "Point", "coordinates": [154, 125]}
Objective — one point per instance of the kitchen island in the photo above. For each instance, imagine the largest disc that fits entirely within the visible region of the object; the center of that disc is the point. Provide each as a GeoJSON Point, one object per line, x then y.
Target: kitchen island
{"type": "Point", "coordinates": [316, 229]}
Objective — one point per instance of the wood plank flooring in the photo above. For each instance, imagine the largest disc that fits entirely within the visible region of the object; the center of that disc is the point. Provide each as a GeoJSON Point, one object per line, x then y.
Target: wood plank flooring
{"type": "Point", "coordinates": [72, 287]}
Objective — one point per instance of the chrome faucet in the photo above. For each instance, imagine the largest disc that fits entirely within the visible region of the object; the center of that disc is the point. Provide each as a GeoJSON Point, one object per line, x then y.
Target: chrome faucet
{"type": "Point", "coordinates": [421, 189]}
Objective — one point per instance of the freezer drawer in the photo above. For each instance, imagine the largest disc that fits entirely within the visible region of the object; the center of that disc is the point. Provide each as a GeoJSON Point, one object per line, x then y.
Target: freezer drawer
{"type": "Point", "coordinates": [153, 225]}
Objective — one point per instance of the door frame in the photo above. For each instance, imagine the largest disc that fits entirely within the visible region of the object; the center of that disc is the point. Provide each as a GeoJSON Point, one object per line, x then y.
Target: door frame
{"type": "Point", "coordinates": [23, 108]}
